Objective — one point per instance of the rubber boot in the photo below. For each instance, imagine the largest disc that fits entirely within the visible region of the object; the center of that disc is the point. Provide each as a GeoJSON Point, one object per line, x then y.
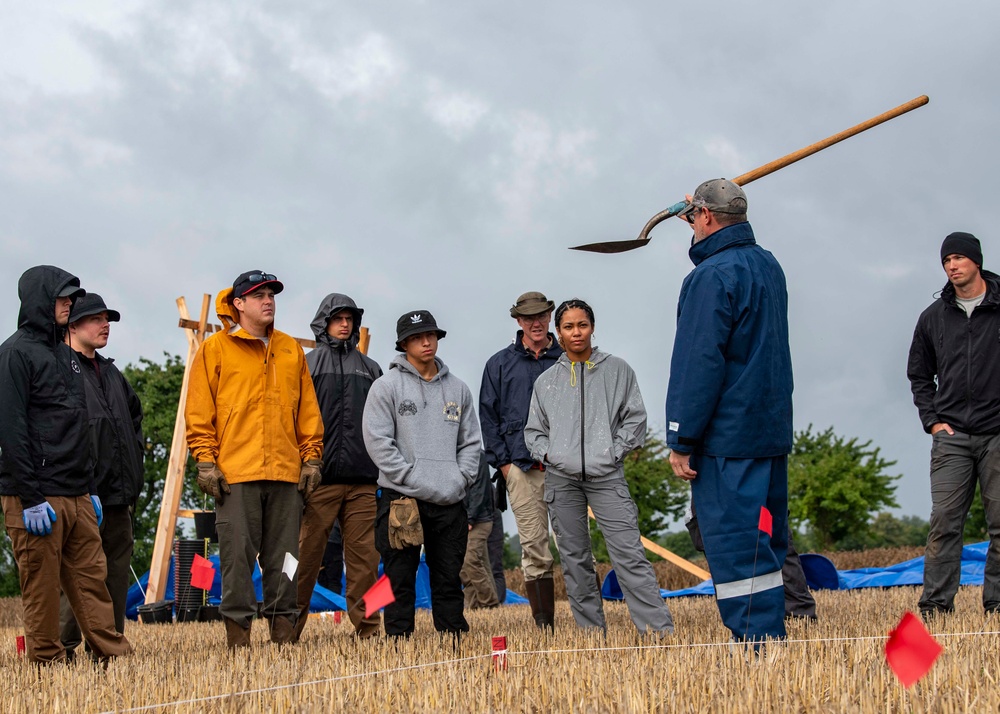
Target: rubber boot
{"type": "Point", "coordinates": [282, 630]}
{"type": "Point", "coordinates": [236, 636]}
{"type": "Point", "coordinates": [531, 590]}
{"type": "Point", "coordinates": [547, 603]}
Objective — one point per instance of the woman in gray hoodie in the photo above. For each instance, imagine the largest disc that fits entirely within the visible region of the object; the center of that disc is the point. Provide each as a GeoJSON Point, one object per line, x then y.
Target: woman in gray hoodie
{"type": "Point", "coordinates": [586, 414]}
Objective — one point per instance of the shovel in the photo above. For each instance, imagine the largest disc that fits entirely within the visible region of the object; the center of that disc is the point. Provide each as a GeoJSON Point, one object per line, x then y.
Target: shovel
{"type": "Point", "coordinates": [620, 246]}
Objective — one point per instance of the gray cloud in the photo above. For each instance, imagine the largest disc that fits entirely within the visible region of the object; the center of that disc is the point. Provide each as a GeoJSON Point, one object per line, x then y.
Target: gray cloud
{"type": "Point", "coordinates": [420, 156]}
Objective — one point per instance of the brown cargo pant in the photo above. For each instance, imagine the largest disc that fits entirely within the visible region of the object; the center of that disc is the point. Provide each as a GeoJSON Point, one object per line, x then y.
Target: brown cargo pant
{"type": "Point", "coordinates": [70, 557]}
{"type": "Point", "coordinates": [117, 542]}
{"type": "Point", "coordinates": [354, 506]}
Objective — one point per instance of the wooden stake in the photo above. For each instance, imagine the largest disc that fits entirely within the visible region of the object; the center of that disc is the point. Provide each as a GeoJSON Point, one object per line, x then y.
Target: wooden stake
{"type": "Point", "coordinates": [173, 485]}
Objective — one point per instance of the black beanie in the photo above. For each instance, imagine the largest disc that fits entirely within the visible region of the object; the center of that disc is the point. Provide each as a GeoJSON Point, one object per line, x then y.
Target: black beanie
{"type": "Point", "coordinates": [963, 244]}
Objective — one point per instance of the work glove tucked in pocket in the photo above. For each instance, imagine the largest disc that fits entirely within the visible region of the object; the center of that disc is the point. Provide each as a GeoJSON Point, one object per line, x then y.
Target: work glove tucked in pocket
{"type": "Point", "coordinates": [404, 524]}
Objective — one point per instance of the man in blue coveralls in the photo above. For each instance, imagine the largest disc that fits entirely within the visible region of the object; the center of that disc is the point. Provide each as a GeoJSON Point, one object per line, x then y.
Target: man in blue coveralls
{"type": "Point", "coordinates": [729, 407]}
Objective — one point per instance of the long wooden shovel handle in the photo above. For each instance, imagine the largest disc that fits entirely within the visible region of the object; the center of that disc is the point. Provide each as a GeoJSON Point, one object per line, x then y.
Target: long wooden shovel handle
{"type": "Point", "coordinates": [666, 554]}
{"type": "Point", "coordinates": [620, 246]}
{"type": "Point", "coordinates": [744, 179]}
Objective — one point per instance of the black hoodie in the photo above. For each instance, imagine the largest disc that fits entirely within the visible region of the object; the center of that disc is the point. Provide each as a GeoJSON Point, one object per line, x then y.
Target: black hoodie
{"type": "Point", "coordinates": [954, 363]}
{"type": "Point", "coordinates": [44, 432]}
{"type": "Point", "coordinates": [342, 377]}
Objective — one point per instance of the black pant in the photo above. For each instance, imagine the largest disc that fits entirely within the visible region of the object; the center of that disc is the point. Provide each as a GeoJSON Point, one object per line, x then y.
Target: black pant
{"type": "Point", "coordinates": [495, 545]}
{"type": "Point", "coordinates": [446, 530]}
{"type": "Point", "coordinates": [331, 576]}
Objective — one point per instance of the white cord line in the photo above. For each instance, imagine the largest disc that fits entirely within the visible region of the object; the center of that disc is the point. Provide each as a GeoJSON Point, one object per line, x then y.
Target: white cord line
{"type": "Point", "coordinates": [513, 654]}
{"type": "Point", "coordinates": [295, 685]}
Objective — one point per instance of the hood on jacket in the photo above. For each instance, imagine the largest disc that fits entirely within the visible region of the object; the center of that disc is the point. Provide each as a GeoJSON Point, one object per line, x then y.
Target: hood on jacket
{"type": "Point", "coordinates": [225, 310]}
{"type": "Point", "coordinates": [38, 289]}
{"type": "Point", "coordinates": [596, 357]}
{"type": "Point", "coordinates": [330, 306]}
{"type": "Point", "coordinates": [992, 288]}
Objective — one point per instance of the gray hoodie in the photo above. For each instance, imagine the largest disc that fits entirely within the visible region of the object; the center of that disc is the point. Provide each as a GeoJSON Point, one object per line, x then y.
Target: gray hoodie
{"type": "Point", "coordinates": [605, 391]}
{"type": "Point", "coordinates": [422, 435]}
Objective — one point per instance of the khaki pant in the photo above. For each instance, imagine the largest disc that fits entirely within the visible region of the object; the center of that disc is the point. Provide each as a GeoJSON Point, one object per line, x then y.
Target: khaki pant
{"type": "Point", "coordinates": [116, 541]}
{"type": "Point", "coordinates": [69, 557]}
{"type": "Point", "coordinates": [477, 574]}
{"type": "Point", "coordinates": [354, 506]}
{"type": "Point", "coordinates": [526, 495]}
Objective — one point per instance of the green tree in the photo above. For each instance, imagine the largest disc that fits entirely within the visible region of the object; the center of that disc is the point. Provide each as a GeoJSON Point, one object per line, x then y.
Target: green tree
{"type": "Point", "coordinates": [835, 485]}
{"type": "Point", "coordinates": [660, 496]}
{"type": "Point", "coordinates": [888, 531]}
{"type": "Point", "coordinates": [159, 388]}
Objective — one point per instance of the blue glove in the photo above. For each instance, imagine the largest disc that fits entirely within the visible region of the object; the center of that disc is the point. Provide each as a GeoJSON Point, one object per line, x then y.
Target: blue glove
{"type": "Point", "coordinates": [96, 500]}
{"type": "Point", "coordinates": [39, 519]}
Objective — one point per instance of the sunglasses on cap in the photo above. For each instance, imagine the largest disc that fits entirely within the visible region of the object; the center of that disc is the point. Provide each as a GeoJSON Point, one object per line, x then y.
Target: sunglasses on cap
{"type": "Point", "coordinates": [261, 277]}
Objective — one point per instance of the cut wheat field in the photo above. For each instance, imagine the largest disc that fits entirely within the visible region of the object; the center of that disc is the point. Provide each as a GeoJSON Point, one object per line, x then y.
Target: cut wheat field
{"type": "Point", "coordinates": [836, 664]}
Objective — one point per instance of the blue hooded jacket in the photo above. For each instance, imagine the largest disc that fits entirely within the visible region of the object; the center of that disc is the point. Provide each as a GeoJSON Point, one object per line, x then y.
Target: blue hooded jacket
{"type": "Point", "coordinates": [730, 389]}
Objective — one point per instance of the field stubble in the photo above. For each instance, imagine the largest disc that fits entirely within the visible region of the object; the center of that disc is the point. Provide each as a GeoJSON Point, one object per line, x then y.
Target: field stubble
{"type": "Point", "coordinates": [691, 671]}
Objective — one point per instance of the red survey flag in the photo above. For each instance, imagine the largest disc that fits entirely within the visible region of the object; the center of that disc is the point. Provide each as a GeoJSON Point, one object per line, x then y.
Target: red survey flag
{"type": "Point", "coordinates": [378, 596]}
{"type": "Point", "coordinates": [911, 650]}
{"type": "Point", "coordinates": [202, 573]}
{"type": "Point", "coordinates": [764, 524]}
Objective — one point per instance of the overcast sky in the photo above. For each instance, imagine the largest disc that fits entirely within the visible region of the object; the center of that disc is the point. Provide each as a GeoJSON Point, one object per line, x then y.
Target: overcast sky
{"type": "Point", "coordinates": [445, 155]}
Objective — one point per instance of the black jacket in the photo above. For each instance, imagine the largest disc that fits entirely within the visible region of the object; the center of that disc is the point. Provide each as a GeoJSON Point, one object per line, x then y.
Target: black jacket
{"type": "Point", "coordinates": [44, 433]}
{"type": "Point", "coordinates": [963, 353]}
{"type": "Point", "coordinates": [342, 377]}
{"type": "Point", "coordinates": [116, 430]}
{"type": "Point", "coordinates": [504, 398]}
{"type": "Point", "coordinates": [479, 497]}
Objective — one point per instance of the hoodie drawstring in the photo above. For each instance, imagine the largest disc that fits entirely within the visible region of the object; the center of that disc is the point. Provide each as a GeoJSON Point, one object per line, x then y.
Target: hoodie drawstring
{"type": "Point", "coordinates": [572, 371]}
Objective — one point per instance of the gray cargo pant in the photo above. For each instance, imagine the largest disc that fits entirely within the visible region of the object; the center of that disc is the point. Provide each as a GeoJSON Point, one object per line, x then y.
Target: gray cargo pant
{"type": "Point", "coordinates": [958, 461]}
{"type": "Point", "coordinates": [617, 517]}
{"type": "Point", "coordinates": [259, 520]}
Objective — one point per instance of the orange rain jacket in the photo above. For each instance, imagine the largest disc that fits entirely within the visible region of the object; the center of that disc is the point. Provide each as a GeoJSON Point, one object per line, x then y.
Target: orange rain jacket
{"type": "Point", "coordinates": [251, 407]}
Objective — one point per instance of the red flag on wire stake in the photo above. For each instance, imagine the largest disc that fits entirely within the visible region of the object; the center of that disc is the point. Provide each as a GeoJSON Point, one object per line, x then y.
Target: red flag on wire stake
{"type": "Point", "coordinates": [911, 650]}
{"type": "Point", "coordinates": [202, 573]}
{"type": "Point", "coordinates": [764, 524]}
{"type": "Point", "coordinates": [378, 596]}
{"type": "Point", "coordinates": [499, 653]}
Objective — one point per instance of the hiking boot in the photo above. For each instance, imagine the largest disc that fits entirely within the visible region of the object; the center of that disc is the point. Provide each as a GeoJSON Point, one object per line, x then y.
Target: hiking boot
{"type": "Point", "coordinates": [282, 630]}
{"type": "Point", "coordinates": [236, 635]}
{"type": "Point", "coordinates": [546, 604]}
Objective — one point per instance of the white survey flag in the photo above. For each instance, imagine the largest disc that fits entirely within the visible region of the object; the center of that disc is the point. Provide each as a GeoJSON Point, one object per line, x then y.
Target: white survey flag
{"type": "Point", "coordinates": [290, 566]}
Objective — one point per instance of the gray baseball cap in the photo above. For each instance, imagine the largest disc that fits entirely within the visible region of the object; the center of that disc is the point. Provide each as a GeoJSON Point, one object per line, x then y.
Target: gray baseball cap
{"type": "Point", "coordinates": [719, 196]}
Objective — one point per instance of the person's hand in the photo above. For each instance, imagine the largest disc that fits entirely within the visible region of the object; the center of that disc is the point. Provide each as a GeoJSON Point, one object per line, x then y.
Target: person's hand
{"type": "Point", "coordinates": [505, 469]}
{"type": "Point", "coordinates": [98, 508]}
{"type": "Point", "coordinates": [211, 481]}
{"type": "Point", "coordinates": [309, 477]}
{"type": "Point", "coordinates": [470, 526]}
{"type": "Point", "coordinates": [681, 464]}
{"type": "Point", "coordinates": [941, 426]}
{"type": "Point", "coordinates": [39, 519]}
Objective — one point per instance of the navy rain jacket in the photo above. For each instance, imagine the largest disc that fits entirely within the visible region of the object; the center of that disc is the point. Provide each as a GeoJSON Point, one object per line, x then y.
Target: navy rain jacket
{"type": "Point", "coordinates": [504, 398]}
{"type": "Point", "coordinates": [730, 390]}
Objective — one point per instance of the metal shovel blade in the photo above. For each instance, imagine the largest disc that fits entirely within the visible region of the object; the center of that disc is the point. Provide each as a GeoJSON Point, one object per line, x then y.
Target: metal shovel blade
{"type": "Point", "coordinates": [620, 246]}
{"type": "Point", "coordinates": [613, 246]}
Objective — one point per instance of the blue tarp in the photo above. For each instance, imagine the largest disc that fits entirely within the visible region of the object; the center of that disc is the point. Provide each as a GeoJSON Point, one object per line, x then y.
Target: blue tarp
{"type": "Point", "coordinates": [323, 600]}
{"type": "Point", "coordinates": [821, 574]}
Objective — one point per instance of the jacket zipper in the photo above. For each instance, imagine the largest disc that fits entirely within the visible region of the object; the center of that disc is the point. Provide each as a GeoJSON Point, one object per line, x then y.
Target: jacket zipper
{"type": "Point", "coordinates": [583, 421]}
{"type": "Point", "coordinates": [343, 408]}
